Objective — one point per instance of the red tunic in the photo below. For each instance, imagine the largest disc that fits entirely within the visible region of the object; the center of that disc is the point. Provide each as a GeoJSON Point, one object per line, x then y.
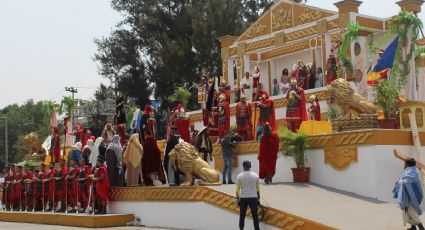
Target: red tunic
{"type": "Point", "coordinates": [267, 111]}
{"type": "Point", "coordinates": [102, 186]}
{"type": "Point", "coordinates": [18, 188]}
{"type": "Point", "coordinates": [182, 126]}
{"type": "Point", "coordinates": [243, 120]}
{"type": "Point", "coordinates": [223, 118]}
{"type": "Point", "coordinates": [61, 184]}
{"type": "Point", "coordinates": [28, 187]}
{"type": "Point", "coordinates": [52, 183]}
{"type": "Point", "coordinates": [55, 148]}
{"type": "Point", "coordinates": [269, 147]}
{"type": "Point", "coordinates": [84, 185]}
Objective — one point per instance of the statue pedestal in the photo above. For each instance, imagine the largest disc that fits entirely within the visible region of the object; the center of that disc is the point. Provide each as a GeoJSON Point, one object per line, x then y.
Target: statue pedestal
{"type": "Point", "coordinates": [361, 122]}
{"type": "Point", "coordinates": [418, 110]}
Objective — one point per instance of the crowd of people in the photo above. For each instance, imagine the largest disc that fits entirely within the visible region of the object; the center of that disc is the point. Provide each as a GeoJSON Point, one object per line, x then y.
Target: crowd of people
{"type": "Point", "coordinates": [78, 180]}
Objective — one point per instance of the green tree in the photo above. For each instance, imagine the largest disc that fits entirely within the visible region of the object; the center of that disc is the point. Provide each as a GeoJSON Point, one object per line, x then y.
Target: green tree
{"type": "Point", "coordinates": [29, 117]}
{"type": "Point", "coordinates": [164, 44]}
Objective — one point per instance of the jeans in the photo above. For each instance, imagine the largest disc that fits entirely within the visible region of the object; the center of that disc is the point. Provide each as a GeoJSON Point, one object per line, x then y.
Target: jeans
{"type": "Point", "coordinates": [227, 158]}
{"type": "Point", "coordinates": [253, 205]}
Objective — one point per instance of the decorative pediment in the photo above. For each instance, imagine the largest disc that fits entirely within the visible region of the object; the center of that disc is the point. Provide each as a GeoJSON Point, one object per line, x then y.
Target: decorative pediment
{"type": "Point", "coordinates": [304, 14]}
{"type": "Point", "coordinates": [283, 15]}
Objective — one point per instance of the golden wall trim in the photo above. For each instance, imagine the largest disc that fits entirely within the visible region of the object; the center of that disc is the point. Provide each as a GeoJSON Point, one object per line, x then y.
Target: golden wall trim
{"type": "Point", "coordinates": [341, 158]}
{"type": "Point", "coordinates": [274, 217]}
{"type": "Point", "coordinates": [364, 137]}
{"type": "Point", "coordinates": [260, 44]}
{"type": "Point", "coordinates": [241, 48]}
{"type": "Point", "coordinates": [284, 50]}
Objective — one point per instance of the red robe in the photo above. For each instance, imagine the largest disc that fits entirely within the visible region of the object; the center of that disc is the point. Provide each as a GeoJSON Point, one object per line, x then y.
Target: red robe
{"type": "Point", "coordinates": [223, 118]}
{"type": "Point", "coordinates": [182, 126]}
{"type": "Point", "coordinates": [267, 111]}
{"type": "Point", "coordinates": [102, 186]}
{"type": "Point", "coordinates": [244, 121]}
{"type": "Point", "coordinates": [269, 147]}
{"type": "Point", "coordinates": [296, 111]}
{"type": "Point", "coordinates": [151, 161]}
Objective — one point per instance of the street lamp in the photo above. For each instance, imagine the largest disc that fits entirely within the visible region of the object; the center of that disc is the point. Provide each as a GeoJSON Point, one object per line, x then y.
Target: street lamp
{"type": "Point", "coordinates": [6, 149]}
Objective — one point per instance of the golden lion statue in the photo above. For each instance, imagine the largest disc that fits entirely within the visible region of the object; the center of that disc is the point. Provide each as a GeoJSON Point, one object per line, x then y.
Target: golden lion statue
{"type": "Point", "coordinates": [341, 92]}
{"type": "Point", "coordinates": [185, 158]}
{"type": "Point", "coordinates": [33, 143]}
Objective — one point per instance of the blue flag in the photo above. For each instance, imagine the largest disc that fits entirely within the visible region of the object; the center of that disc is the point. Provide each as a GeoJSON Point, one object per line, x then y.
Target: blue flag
{"type": "Point", "coordinates": [387, 58]}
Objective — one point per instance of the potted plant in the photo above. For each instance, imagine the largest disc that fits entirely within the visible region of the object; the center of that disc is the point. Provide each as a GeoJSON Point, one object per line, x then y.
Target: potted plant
{"type": "Point", "coordinates": [386, 94]}
{"type": "Point", "coordinates": [293, 145]}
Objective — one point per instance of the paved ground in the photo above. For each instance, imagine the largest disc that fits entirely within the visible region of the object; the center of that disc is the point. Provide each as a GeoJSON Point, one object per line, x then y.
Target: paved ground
{"type": "Point", "coordinates": [10, 225]}
{"type": "Point", "coordinates": [334, 208]}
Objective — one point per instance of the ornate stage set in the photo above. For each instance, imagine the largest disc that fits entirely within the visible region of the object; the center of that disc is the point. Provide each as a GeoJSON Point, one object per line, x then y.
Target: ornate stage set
{"type": "Point", "coordinates": [349, 153]}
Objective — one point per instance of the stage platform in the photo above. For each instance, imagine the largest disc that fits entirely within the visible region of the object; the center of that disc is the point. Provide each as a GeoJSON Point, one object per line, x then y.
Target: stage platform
{"type": "Point", "coordinates": [69, 219]}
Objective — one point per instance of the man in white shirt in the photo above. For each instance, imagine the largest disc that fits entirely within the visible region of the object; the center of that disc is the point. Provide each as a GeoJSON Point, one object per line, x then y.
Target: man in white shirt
{"type": "Point", "coordinates": [246, 85]}
{"type": "Point", "coordinates": [248, 194]}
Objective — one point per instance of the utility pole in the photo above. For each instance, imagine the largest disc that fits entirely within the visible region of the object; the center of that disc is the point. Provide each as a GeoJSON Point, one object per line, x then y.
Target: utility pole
{"type": "Point", "coordinates": [6, 141]}
{"type": "Point", "coordinates": [73, 91]}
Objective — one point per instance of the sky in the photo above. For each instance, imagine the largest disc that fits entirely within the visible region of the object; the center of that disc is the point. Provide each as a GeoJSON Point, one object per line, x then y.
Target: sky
{"type": "Point", "coordinates": [46, 45]}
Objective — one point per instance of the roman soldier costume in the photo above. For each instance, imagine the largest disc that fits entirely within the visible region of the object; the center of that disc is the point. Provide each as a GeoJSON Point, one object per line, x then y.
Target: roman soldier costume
{"type": "Point", "coordinates": [223, 116]}
{"type": "Point", "coordinates": [302, 75]}
{"type": "Point", "coordinates": [296, 108]}
{"type": "Point", "coordinates": [331, 68]}
{"type": "Point", "coordinates": [244, 119]}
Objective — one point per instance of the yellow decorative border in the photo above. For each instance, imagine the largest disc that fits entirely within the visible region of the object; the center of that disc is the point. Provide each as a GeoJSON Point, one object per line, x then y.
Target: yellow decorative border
{"type": "Point", "coordinates": [274, 217]}
{"type": "Point", "coordinates": [341, 157]}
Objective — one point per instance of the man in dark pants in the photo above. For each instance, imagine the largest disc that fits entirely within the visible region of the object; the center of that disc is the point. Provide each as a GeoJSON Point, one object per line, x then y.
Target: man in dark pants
{"type": "Point", "coordinates": [248, 194]}
{"type": "Point", "coordinates": [227, 146]}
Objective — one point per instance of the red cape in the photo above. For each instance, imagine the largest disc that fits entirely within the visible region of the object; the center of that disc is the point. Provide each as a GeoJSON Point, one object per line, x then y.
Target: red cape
{"type": "Point", "coordinates": [182, 126]}
{"type": "Point", "coordinates": [269, 147]}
